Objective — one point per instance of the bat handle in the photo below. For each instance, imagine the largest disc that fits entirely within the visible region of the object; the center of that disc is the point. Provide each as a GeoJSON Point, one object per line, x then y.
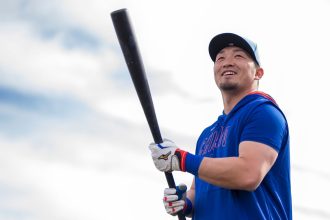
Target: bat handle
{"type": "Point", "coordinates": [170, 180]}
{"type": "Point", "coordinates": [169, 176]}
{"type": "Point", "coordinates": [171, 184]}
{"type": "Point", "coordinates": [181, 216]}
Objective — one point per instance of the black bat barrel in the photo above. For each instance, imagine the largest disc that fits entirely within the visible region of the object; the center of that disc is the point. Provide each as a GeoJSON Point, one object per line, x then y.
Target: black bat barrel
{"type": "Point", "coordinates": [135, 66]}
{"type": "Point", "coordinates": [136, 69]}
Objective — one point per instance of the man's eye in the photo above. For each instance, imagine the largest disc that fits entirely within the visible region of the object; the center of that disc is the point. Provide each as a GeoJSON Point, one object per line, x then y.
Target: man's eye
{"type": "Point", "coordinates": [220, 58]}
{"type": "Point", "coordinates": [239, 55]}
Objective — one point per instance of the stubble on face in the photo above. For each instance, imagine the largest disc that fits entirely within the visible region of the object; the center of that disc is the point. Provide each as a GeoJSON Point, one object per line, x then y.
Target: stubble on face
{"type": "Point", "coordinates": [236, 84]}
{"type": "Point", "coordinates": [227, 83]}
{"type": "Point", "coordinates": [228, 86]}
{"type": "Point", "coordinates": [236, 74]}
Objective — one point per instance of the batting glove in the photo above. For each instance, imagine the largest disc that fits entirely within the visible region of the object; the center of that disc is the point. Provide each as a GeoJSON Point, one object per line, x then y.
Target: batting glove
{"type": "Point", "coordinates": [167, 156]}
{"type": "Point", "coordinates": [175, 200]}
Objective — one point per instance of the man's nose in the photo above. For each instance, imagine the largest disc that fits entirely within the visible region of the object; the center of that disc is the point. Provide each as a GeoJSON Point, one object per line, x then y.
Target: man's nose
{"type": "Point", "coordinates": [228, 62]}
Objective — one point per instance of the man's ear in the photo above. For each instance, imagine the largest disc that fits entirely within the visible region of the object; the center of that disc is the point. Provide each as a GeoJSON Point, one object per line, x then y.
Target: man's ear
{"type": "Point", "coordinates": [259, 73]}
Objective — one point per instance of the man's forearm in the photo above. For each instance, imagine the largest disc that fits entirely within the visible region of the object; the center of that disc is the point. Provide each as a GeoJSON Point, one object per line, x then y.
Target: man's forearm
{"type": "Point", "coordinates": [244, 172]}
{"type": "Point", "coordinates": [230, 172]}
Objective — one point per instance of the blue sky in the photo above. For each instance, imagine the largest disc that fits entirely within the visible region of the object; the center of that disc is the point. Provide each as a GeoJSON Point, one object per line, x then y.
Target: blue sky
{"type": "Point", "coordinates": [73, 138]}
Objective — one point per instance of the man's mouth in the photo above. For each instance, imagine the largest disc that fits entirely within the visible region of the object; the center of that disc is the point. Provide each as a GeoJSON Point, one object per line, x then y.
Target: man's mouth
{"type": "Point", "coordinates": [228, 73]}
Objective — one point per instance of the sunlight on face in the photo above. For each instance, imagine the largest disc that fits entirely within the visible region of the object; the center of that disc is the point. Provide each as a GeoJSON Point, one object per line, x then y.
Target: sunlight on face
{"type": "Point", "coordinates": [234, 70]}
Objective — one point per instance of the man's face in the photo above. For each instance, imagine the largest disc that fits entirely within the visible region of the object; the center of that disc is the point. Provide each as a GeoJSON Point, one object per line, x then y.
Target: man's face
{"type": "Point", "coordinates": [235, 71]}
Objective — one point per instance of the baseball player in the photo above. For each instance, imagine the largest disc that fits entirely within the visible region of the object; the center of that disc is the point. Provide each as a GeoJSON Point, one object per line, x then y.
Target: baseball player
{"type": "Point", "coordinates": [241, 165]}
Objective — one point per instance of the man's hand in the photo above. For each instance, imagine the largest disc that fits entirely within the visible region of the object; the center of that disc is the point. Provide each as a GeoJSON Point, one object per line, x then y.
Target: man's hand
{"type": "Point", "coordinates": [174, 199]}
{"type": "Point", "coordinates": [167, 156]}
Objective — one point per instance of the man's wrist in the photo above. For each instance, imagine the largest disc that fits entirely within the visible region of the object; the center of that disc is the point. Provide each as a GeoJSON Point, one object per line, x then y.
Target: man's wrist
{"type": "Point", "coordinates": [193, 163]}
{"type": "Point", "coordinates": [181, 155]}
{"type": "Point", "coordinates": [188, 207]}
{"type": "Point", "coordinates": [188, 162]}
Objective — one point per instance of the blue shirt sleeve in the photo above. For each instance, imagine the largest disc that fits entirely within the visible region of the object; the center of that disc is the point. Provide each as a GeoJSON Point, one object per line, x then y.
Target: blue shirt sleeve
{"type": "Point", "coordinates": [266, 125]}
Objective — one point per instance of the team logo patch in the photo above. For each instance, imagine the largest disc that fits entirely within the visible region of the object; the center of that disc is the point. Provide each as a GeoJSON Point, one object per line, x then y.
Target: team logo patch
{"type": "Point", "coordinates": [164, 156]}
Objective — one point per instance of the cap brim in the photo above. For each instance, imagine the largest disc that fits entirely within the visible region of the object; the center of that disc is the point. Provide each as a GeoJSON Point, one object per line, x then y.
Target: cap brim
{"type": "Point", "coordinates": [229, 39]}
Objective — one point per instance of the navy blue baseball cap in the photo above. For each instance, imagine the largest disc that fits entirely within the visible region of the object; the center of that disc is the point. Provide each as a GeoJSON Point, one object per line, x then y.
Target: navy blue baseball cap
{"type": "Point", "coordinates": [223, 40]}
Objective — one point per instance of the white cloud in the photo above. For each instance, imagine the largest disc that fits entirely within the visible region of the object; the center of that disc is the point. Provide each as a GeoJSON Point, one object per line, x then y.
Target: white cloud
{"type": "Point", "coordinates": [80, 167]}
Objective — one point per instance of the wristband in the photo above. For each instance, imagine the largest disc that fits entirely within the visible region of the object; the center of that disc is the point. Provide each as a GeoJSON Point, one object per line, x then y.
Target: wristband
{"type": "Point", "coordinates": [188, 162]}
{"type": "Point", "coordinates": [181, 155]}
{"type": "Point", "coordinates": [187, 210]}
{"type": "Point", "coordinates": [192, 163]}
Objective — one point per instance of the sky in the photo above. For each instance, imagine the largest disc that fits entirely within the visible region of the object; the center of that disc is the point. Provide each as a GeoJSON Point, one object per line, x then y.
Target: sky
{"type": "Point", "coordinates": [73, 137]}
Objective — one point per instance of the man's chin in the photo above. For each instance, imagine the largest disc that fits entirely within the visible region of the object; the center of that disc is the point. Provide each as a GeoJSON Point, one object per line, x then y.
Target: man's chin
{"type": "Point", "coordinates": [228, 87]}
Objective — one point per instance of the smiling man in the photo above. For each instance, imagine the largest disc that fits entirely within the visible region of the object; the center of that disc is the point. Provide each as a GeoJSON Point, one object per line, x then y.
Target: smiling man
{"type": "Point", "coordinates": [241, 165]}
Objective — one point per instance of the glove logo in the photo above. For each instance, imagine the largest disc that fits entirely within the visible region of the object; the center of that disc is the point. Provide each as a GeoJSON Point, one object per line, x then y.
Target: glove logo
{"type": "Point", "coordinates": [164, 156]}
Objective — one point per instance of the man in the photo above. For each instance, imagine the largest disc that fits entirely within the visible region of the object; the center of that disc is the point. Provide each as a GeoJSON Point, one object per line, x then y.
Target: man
{"type": "Point", "coordinates": [241, 166]}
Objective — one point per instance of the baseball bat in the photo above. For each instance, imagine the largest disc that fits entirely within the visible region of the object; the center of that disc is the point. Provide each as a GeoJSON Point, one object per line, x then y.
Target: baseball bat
{"type": "Point", "coordinates": [129, 47]}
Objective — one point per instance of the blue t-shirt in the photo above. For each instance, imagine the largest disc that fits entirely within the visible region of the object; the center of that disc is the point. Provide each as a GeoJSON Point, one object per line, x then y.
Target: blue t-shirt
{"type": "Point", "coordinates": [255, 118]}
